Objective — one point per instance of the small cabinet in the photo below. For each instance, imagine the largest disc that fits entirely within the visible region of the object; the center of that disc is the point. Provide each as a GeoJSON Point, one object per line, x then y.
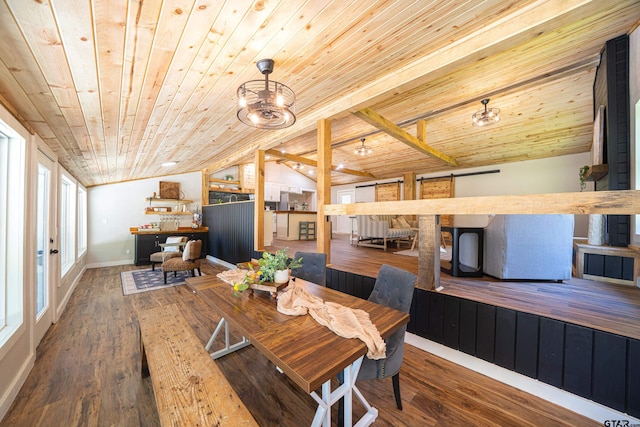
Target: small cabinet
{"type": "Point", "coordinates": [146, 244]}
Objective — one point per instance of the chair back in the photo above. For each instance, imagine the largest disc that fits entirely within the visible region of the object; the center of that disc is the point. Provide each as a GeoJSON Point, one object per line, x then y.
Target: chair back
{"type": "Point", "coordinates": [313, 269]}
{"type": "Point", "coordinates": [394, 288]}
{"type": "Point", "coordinates": [192, 250]}
{"type": "Point", "coordinates": [174, 239]}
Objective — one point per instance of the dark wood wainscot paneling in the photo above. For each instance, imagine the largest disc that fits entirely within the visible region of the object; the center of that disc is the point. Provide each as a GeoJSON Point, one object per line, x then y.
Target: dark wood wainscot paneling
{"type": "Point", "coordinates": [230, 235]}
{"type": "Point", "coordinates": [593, 364]}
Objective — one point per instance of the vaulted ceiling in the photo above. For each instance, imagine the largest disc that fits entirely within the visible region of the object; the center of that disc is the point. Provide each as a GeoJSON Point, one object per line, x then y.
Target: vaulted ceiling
{"type": "Point", "coordinates": [117, 87]}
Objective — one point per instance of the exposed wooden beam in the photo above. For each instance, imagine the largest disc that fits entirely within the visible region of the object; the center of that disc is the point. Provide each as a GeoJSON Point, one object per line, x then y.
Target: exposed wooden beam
{"type": "Point", "coordinates": [313, 163]}
{"type": "Point", "coordinates": [621, 202]}
{"type": "Point", "coordinates": [390, 128]}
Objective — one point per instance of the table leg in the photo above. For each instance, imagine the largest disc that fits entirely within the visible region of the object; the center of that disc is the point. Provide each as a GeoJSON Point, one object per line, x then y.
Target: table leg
{"type": "Point", "coordinates": [228, 348]}
{"type": "Point", "coordinates": [345, 390]}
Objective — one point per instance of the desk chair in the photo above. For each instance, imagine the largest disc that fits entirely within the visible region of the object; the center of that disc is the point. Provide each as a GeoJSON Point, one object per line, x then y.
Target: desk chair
{"type": "Point", "coordinates": [190, 260]}
{"type": "Point", "coordinates": [313, 269]}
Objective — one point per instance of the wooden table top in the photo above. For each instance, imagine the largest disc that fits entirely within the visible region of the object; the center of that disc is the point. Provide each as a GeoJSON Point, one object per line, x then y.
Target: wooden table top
{"type": "Point", "coordinates": [306, 351]}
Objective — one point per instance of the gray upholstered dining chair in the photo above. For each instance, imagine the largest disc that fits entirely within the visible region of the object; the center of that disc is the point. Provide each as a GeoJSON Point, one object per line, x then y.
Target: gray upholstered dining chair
{"type": "Point", "coordinates": [314, 267]}
{"type": "Point", "coordinates": [393, 288]}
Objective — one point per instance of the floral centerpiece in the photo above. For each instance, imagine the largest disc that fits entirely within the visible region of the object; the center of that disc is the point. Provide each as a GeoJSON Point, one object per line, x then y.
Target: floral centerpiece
{"type": "Point", "coordinates": [270, 264]}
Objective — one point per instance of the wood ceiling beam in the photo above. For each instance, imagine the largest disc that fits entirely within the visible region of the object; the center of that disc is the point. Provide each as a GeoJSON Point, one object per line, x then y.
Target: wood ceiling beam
{"type": "Point", "coordinates": [313, 163]}
{"type": "Point", "coordinates": [511, 30]}
{"type": "Point", "coordinates": [621, 202]}
{"type": "Point", "coordinates": [390, 128]}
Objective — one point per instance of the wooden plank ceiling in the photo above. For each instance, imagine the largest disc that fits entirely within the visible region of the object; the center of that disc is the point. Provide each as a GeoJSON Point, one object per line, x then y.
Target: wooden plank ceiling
{"type": "Point", "coordinates": [117, 87]}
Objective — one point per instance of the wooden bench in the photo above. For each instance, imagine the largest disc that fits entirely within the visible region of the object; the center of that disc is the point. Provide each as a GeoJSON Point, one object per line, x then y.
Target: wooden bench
{"type": "Point", "coordinates": [189, 388]}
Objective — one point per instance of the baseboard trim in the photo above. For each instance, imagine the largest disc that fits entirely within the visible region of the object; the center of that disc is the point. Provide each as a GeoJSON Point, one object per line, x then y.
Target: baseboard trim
{"type": "Point", "coordinates": [221, 262]}
{"type": "Point", "coordinates": [572, 402]}
{"type": "Point", "coordinates": [17, 383]}
{"type": "Point", "coordinates": [110, 263]}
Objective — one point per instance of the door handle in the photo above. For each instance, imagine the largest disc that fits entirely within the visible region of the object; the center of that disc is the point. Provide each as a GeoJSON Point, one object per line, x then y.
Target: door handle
{"type": "Point", "coordinates": [53, 251]}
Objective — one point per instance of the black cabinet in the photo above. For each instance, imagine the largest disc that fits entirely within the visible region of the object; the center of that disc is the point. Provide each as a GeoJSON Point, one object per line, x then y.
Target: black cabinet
{"type": "Point", "coordinates": [146, 244]}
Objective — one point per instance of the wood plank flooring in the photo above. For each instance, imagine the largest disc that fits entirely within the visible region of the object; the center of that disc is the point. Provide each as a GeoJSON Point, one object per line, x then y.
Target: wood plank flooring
{"type": "Point", "coordinates": [87, 373]}
{"type": "Point", "coordinates": [605, 306]}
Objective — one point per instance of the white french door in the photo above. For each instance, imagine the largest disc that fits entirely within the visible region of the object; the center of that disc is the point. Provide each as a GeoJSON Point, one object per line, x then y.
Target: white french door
{"type": "Point", "coordinates": [46, 249]}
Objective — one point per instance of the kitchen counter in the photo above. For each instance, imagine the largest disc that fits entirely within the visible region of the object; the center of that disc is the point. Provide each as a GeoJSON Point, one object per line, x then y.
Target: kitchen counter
{"type": "Point", "coordinates": [288, 223]}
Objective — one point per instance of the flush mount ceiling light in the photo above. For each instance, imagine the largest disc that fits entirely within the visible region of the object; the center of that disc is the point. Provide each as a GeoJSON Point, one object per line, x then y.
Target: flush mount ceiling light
{"type": "Point", "coordinates": [266, 104]}
{"type": "Point", "coordinates": [486, 117]}
{"type": "Point", "coordinates": [362, 150]}
{"type": "Point", "coordinates": [167, 164]}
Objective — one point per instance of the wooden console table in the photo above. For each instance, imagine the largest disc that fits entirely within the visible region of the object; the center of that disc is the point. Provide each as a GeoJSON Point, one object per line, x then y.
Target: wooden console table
{"type": "Point", "coordinates": [582, 247]}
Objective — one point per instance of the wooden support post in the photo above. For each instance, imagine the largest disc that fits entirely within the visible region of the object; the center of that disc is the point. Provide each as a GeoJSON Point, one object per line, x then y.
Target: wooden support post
{"type": "Point", "coordinates": [429, 252]}
{"type": "Point", "coordinates": [409, 189]}
{"type": "Point", "coordinates": [324, 188]}
{"type": "Point", "coordinates": [258, 213]}
{"type": "Point", "coordinates": [205, 187]}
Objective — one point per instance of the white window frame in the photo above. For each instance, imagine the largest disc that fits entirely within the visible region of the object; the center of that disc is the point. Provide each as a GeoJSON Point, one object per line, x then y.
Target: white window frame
{"type": "Point", "coordinates": [67, 235]}
{"type": "Point", "coordinates": [82, 220]}
{"type": "Point", "coordinates": [12, 229]}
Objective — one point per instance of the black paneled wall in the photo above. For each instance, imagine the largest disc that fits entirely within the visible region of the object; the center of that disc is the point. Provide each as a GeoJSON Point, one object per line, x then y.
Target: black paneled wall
{"type": "Point", "coordinates": [596, 365]}
{"type": "Point", "coordinates": [230, 235]}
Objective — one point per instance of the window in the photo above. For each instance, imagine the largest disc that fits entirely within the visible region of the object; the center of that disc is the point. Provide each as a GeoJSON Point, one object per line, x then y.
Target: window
{"type": "Point", "coordinates": [82, 221]}
{"type": "Point", "coordinates": [67, 223]}
{"type": "Point", "coordinates": [12, 207]}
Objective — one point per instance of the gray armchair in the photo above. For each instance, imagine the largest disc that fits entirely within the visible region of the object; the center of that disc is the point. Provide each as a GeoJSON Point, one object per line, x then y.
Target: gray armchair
{"type": "Point", "coordinates": [313, 269]}
{"type": "Point", "coordinates": [529, 247]}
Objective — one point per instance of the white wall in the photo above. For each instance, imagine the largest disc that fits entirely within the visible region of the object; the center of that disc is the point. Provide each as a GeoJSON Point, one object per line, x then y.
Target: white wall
{"type": "Point", "coordinates": [114, 208]}
{"type": "Point", "coordinates": [552, 175]}
{"type": "Point", "coordinates": [275, 172]}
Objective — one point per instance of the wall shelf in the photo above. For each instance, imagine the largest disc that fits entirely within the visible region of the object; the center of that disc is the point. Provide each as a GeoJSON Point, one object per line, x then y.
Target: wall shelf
{"type": "Point", "coordinates": [179, 201]}
{"type": "Point", "coordinates": [596, 172]}
{"type": "Point", "coordinates": [168, 213]}
{"type": "Point", "coordinates": [224, 181]}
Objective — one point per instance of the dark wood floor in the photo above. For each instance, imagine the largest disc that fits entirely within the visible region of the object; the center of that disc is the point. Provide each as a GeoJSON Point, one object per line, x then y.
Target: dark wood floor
{"type": "Point", "coordinates": [609, 307]}
{"type": "Point", "coordinates": [87, 373]}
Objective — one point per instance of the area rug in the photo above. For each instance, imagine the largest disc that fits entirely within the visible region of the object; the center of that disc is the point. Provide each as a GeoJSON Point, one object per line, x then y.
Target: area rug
{"type": "Point", "coordinates": [137, 281]}
{"type": "Point", "coordinates": [445, 255]}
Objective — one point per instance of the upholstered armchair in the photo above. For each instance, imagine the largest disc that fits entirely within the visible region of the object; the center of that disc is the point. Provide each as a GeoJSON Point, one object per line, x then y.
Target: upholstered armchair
{"type": "Point", "coordinates": [168, 252]}
{"type": "Point", "coordinates": [529, 247]}
{"type": "Point", "coordinates": [313, 269]}
{"type": "Point", "coordinates": [190, 260]}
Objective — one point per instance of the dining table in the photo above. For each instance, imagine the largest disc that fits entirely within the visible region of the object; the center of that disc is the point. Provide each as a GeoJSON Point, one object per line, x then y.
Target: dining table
{"type": "Point", "coordinates": [310, 354]}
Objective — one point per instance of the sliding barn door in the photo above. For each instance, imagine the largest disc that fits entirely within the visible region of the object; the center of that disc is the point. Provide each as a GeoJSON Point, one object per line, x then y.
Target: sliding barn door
{"type": "Point", "coordinates": [388, 192]}
{"type": "Point", "coordinates": [438, 188]}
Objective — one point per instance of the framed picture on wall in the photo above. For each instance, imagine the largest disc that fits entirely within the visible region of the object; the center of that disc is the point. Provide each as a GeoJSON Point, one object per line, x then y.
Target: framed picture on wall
{"type": "Point", "coordinates": [169, 190]}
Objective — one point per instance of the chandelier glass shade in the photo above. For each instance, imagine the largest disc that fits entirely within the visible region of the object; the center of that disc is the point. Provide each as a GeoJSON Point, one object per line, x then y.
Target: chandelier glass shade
{"type": "Point", "coordinates": [363, 150]}
{"type": "Point", "coordinates": [486, 117]}
{"type": "Point", "coordinates": [266, 104]}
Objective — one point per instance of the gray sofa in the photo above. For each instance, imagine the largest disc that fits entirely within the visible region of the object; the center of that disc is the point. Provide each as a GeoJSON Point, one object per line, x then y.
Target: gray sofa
{"type": "Point", "coordinates": [529, 247]}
